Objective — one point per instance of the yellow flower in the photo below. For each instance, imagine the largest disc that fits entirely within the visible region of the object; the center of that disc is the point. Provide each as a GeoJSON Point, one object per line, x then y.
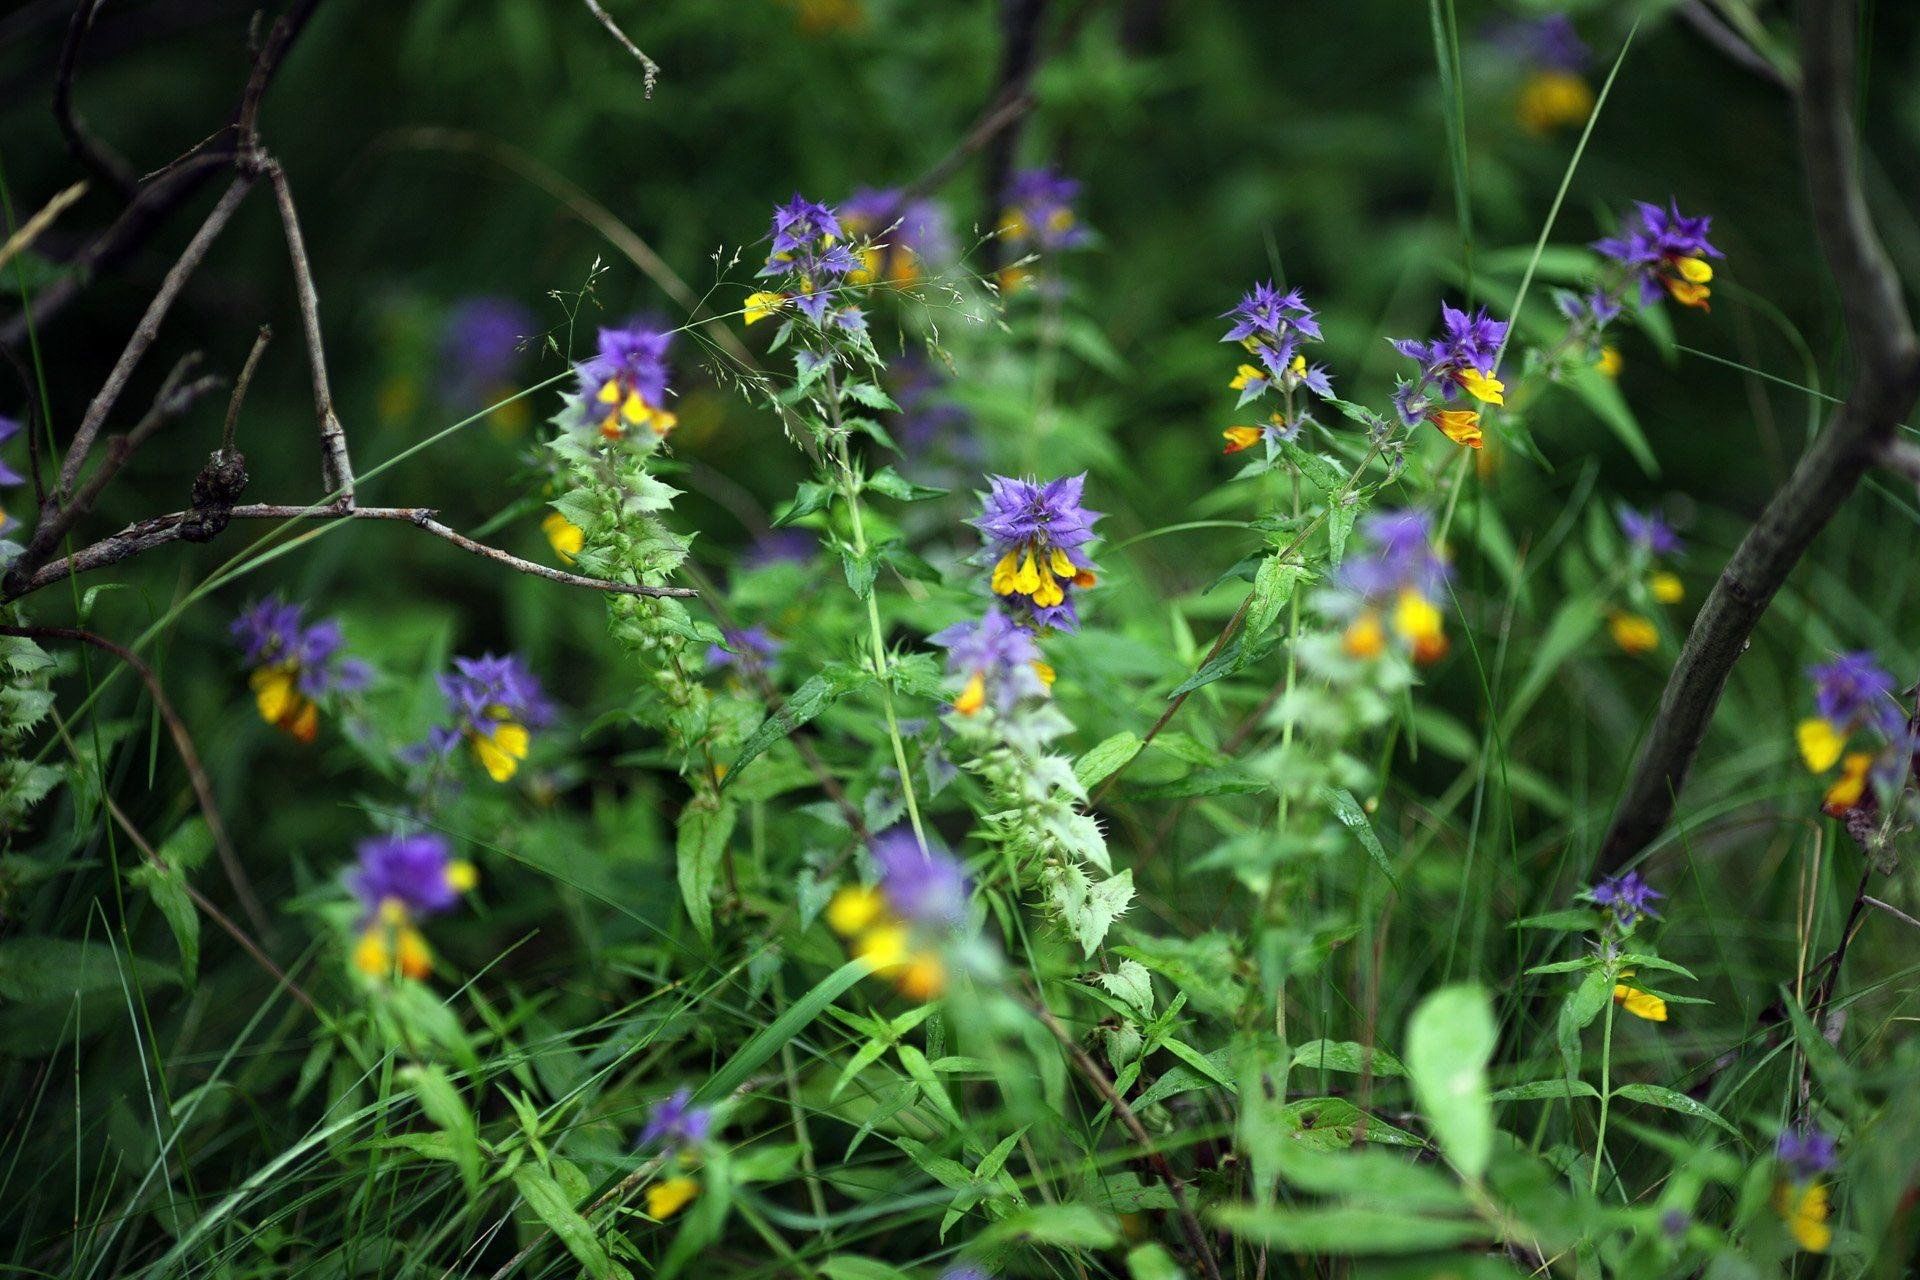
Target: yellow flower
{"type": "Point", "coordinates": [1418, 621]}
{"type": "Point", "coordinates": [1044, 671]}
{"type": "Point", "coordinates": [1805, 1209]}
{"type": "Point", "coordinates": [276, 692]}
{"type": "Point", "coordinates": [391, 941]}
{"type": "Point", "coordinates": [1609, 362]}
{"type": "Point", "coordinates": [1364, 637]}
{"type": "Point", "coordinates": [1850, 786]}
{"type": "Point", "coordinates": [566, 537]}
{"type": "Point", "coordinates": [853, 909]}
{"type": "Point", "coordinates": [1821, 743]}
{"type": "Point", "coordinates": [1482, 385]}
{"type": "Point", "coordinates": [763, 304]}
{"type": "Point", "coordinates": [1462, 426]}
{"type": "Point", "coordinates": [1633, 633]}
{"type": "Point", "coordinates": [501, 749]}
{"type": "Point", "coordinates": [973, 696]}
{"type": "Point", "coordinates": [1667, 588]}
{"type": "Point", "coordinates": [1641, 1004]}
{"type": "Point", "coordinates": [885, 945]}
{"type": "Point", "coordinates": [1239, 438]}
{"type": "Point", "coordinates": [1553, 99]}
{"type": "Point", "coordinates": [462, 876]}
{"type": "Point", "coordinates": [1245, 374]}
{"type": "Point", "coordinates": [1688, 281]}
{"type": "Point", "coordinates": [670, 1196]}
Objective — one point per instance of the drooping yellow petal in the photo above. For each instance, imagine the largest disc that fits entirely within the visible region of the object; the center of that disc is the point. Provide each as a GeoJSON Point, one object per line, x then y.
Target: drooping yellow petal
{"type": "Point", "coordinates": [1641, 1004]}
{"type": "Point", "coordinates": [1634, 633]}
{"type": "Point", "coordinates": [924, 977]}
{"type": "Point", "coordinates": [609, 392]}
{"type": "Point", "coordinates": [1044, 671]}
{"type": "Point", "coordinates": [274, 692]}
{"type": "Point", "coordinates": [1553, 99]}
{"type": "Point", "coordinates": [1694, 270]}
{"type": "Point", "coordinates": [1482, 385]}
{"type": "Point", "coordinates": [973, 696]}
{"type": "Point", "coordinates": [1805, 1209]}
{"type": "Point", "coordinates": [1026, 580]}
{"type": "Point", "coordinates": [1462, 426]}
{"type": "Point", "coordinates": [1005, 572]}
{"type": "Point", "coordinates": [886, 946]}
{"type": "Point", "coordinates": [501, 749]}
{"type": "Point", "coordinates": [1061, 564]}
{"type": "Point", "coordinates": [670, 1196]}
{"type": "Point", "coordinates": [1609, 362]}
{"type": "Point", "coordinates": [1667, 588]}
{"type": "Point", "coordinates": [416, 961]}
{"type": "Point", "coordinates": [1850, 786]}
{"type": "Point", "coordinates": [566, 537]}
{"type": "Point", "coordinates": [1048, 592]}
{"type": "Point", "coordinates": [662, 422]}
{"type": "Point", "coordinates": [763, 304]}
{"type": "Point", "coordinates": [1821, 743]}
{"type": "Point", "coordinates": [1239, 438]}
{"type": "Point", "coordinates": [635, 408]}
{"type": "Point", "coordinates": [462, 875]}
{"type": "Point", "coordinates": [1689, 294]}
{"type": "Point", "coordinates": [371, 955]}
{"type": "Point", "coordinates": [1243, 376]}
{"type": "Point", "coordinates": [853, 909]}
{"type": "Point", "coordinates": [1416, 618]}
{"type": "Point", "coordinates": [1364, 637]}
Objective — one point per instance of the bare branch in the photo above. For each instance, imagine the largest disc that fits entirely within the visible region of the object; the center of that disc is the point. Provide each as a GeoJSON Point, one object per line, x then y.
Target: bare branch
{"type": "Point", "coordinates": [1886, 389]}
{"type": "Point", "coordinates": [105, 163]}
{"type": "Point", "coordinates": [649, 69]}
{"type": "Point", "coordinates": [240, 385]}
{"type": "Point", "coordinates": [160, 530]}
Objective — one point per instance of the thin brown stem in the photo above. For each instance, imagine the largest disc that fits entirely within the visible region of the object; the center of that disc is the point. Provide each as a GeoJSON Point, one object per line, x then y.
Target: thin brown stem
{"type": "Point", "coordinates": [102, 160]}
{"type": "Point", "coordinates": [649, 69]}
{"type": "Point", "coordinates": [241, 384]}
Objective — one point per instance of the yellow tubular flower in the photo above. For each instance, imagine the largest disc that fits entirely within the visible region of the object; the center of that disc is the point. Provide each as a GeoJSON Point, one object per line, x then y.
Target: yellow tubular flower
{"type": "Point", "coordinates": [1044, 671]}
{"type": "Point", "coordinates": [973, 696]}
{"type": "Point", "coordinates": [1462, 426]}
{"type": "Point", "coordinates": [462, 876]}
{"type": "Point", "coordinates": [1482, 386]}
{"type": "Point", "coordinates": [1239, 438]}
{"type": "Point", "coordinates": [1245, 374]}
{"type": "Point", "coordinates": [1667, 588]}
{"type": "Point", "coordinates": [501, 749]}
{"type": "Point", "coordinates": [1641, 1004]}
{"type": "Point", "coordinates": [1609, 362]}
{"type": "Point", "coordinates": [924, 978]}
{"type": "Point", "coordinates": [885, 945]}
{"type": "Point", "coordinates": [1850, 786]}
{"type": "Point", "coordinates": [1633, 633]}
{"type": "Point", "coordinates": [1805, 1209]}
{"type": "Point", "coordinates": [566, 537]}
{"type": "Point", "coordinates": [763, 304]}
{"type": "Point", "coordinates": [1821, 743]}
{"type": "Point", "coordinates": [670, 1196]}
{"type": "Point", "coordinates": [1553, 99]}
{"type": "Point", "coordinates": [1364, 637]}
{"type": "Point", "coordinates": [853, 909]}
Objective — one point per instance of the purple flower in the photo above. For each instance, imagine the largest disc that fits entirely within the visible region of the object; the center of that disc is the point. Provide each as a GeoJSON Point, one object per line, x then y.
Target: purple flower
{"type": "Point", "coordinates": [1265, 315]}
{"type": "Point", "coordinates": [802, 224]}
{"type": "Point", "coordinates": [1549, 41]}
{"type": "Point", "coordinates": [1854, 689]}
{"type": "Point", "coordinates": [913, 231]}
{"type": "Point", "coordinates": [808, 254]}
{"type": "Point", "coordinates": [1664, 250]}
{"type": "Point", "coordinates": [274, 636]}
{"type": "Point", "coordinates": [747, 649]}
{"type": "Point", "coordinates": [1465, 356]}
{"type": "Point", "coordinates": [1807, 1152]}
{"type": "Point", "coordinates": [996, 661]}
{"type": "Point", "coordinates": [1628, 896]}
{"type": "Point", "coordinates": [1397, 556]}
{"type": "Point", "coordinates": [480, 347]}
{"type": "Point", "coordinates": [1037, 212]}
{"type": "Point", "coordinates": [1650, 531]}
{"type": "Point", "coordinates": [924, 887]}
{"type": "Point", "coordinates": [416, 874]}
{"type": "Point", "coordinates": [780, 546]}
{"type": "Point", "coordinates": [676, 1123]}
{"type": "Point", "coordinates": [9, 428]}
{"type": "Point", "coordinates": [485, 691]}
{"type": "Point", "coordinates": [624, 384]}
{"type": "Point", "coordinates": [964, 1273]}
{"type": "Point", "coordinates": [931, 428]}
{"type": "Point", "coordinates": [1036, 536]}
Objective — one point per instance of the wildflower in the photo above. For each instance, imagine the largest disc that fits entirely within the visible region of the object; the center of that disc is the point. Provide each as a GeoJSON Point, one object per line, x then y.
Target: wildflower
{"type": "Point", "coordinates": [1554, 93]}
{"type": "Point", "coordinates": [1270, 325]}
{"type": "Point", "coordinates": [1036, 536]}
{"type": "Point", "coordinates": [1641, 1004]}
{"type": "Point", "coordinates": [1851, 692]}
{"type": "Point", "coordinates": [1649, 531]}
{"type": "Point", "coordinates": [480, 350]}
{"type": "Point", "coordinates": [1667, 587]}
{"type": "Point", "coordinates": [1240, 438]}
{"type": "Point", "coordinates": [779, 546]}
{"type": "Point", "coordinates": [1663, 250]}
{"type": "Point", "coordinates": [566, 537]}
{"type": "Point", "coordinates": [899, 925]}
{"type": "Point", "coordinates": [905, 234]}
{"type": "Point", "coordinates": [670, 1195]}
{"type": "Point", "coordinates": [1633, 632]}
{"type": "Point", "coordinates": [1037, 216]}
{"type": "Point", "coordinates": [1392, 586]}
{"type": "Point", "coordinates": [809, 255]}
{"type": "Point", "coordinates": [625, 383]}
{"type": "Point", "coordinates": [676, 1123]}
{"type": "Point", "coordinates": [1628, 897]}
{"type": "Point", "coordinates": [1800, 1197]}
{"type": "Point", "coordinates": [294, 664]}
{"type": "Point", "coordinates": [9, 478]}
{"type": "Point", "coordinates": [1608, 362]}
{"type": "Point", "coordinates": [747, 650]}
{"type": "Point", "coordinates": [1850, 787]}
{"type": "Point", "coordinates": [1462, 360]}
{"type": "Point", "coordinates": [496, 703]}
{"type": "Point", "coordinates": [964, 1273]}
{"type": "Point", "coordinates": [400, 880]}
{"type": "Point", "coordinates": [996, 661]}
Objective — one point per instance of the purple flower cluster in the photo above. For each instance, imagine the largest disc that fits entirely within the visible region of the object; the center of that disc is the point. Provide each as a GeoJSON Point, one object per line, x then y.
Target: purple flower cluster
{"type": "Point", "coordinates": [1036, 538]}
{"type": "Point", "coordinates": [1550, 41]}
{"type": "Point", "coordinates": [1649, 531]}
{"type": "Point", "coordinates": [780, 546]}
{"type": "Point", "coordinates": [417, 874]}
{"type": "Point", "coordinates": [294, 663]}
{"type": "Point", "coordinates": [922, 887]}
{"type": "Point", "coordinates": [1854, 690]}
{"type": "Point", "coordinates": [747, 650]}
{"type": "Point", "coordinates": [484, 691]}
{"type": "Point", "coordinates": [480, 348]}
{"type": "Point", "coordinates": [1663, 250]}
{"type": "Point", "coordinates": [1806, 1152]}
{"type": "Point", "coordinates": [996, 662]}
{"type": "Point", "coordinates": [1397, 556]}
{"type": "Point", "coordinates": [910, 233]}
{"type": "Point", "coordinates": [624, 384]}
{"type": "Point", "coordinates": [1037, 212]}
{"type": "Point", "coordinates": [675, 1123]}
{"type": "Point", "coordinates": [9, 478]}
{"type": "Point", "coordinates": [1464, 358]}
{"type": "Point", "coordinates": [1627, 896]}
{"type": "Point", "coordinates": [810, 256]}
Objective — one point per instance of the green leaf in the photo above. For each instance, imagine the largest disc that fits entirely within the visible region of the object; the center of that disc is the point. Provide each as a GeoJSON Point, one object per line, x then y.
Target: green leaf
{"type": "Point", "coordinates": [1450, 1040]}
{"type": "Point", "coordinates": [555, 1208]}
{"type": "Point", "coordinates": [166, 884]}
{"type": "Point", "coordinates": [443, 1105]}
{"type": "Point", "coordinates": [1104, 758]}
{"type": "Point", "coordinates": [706, 823]}
{"type": "Point", "coordinates": [1546, 1091]}
{"type": "Point", "coordinates": [810, 497]}
{"type": "Point", "coordinates": [847, 1266]}
{"type": "Point", "coordinates": [869, 395]}
{"type": "Point", "coordinates": [894, 485]}
{"type": "Point", "coordinates": [1347, 1055]}
{"type": "Point", "coordinates": [767, 1041]}
{"type": "Point", "coordinates": [1071, 1226]}
{"type": "Point", "coordinates": [809, 700]}
{"type": "Point", "coordinates": [1152, 1262]}
{"type": "Point", "coordinates": [1272, 587]}
{"type": "Point", "coordinates": [1353, 816]}
{"type": "Point", "coordinates": [43, 969]}
{"type": "Point", "coordinates": [1341, 1229]}
{"type": "Point", "coordinates": [1656, 1096]}
{"type": "Point", "coordinates": [861, 570]}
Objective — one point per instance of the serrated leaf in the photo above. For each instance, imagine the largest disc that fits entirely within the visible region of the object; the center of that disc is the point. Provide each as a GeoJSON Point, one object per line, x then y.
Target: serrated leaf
{"type": "Point", "coordinates": [814, 696]}
{"type": "Point", "coordinates": [894, 485]}
{"type": "Point", "coordinates": [700, 844]}
{"type": "Point", "coordinates": [1104, 758]}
